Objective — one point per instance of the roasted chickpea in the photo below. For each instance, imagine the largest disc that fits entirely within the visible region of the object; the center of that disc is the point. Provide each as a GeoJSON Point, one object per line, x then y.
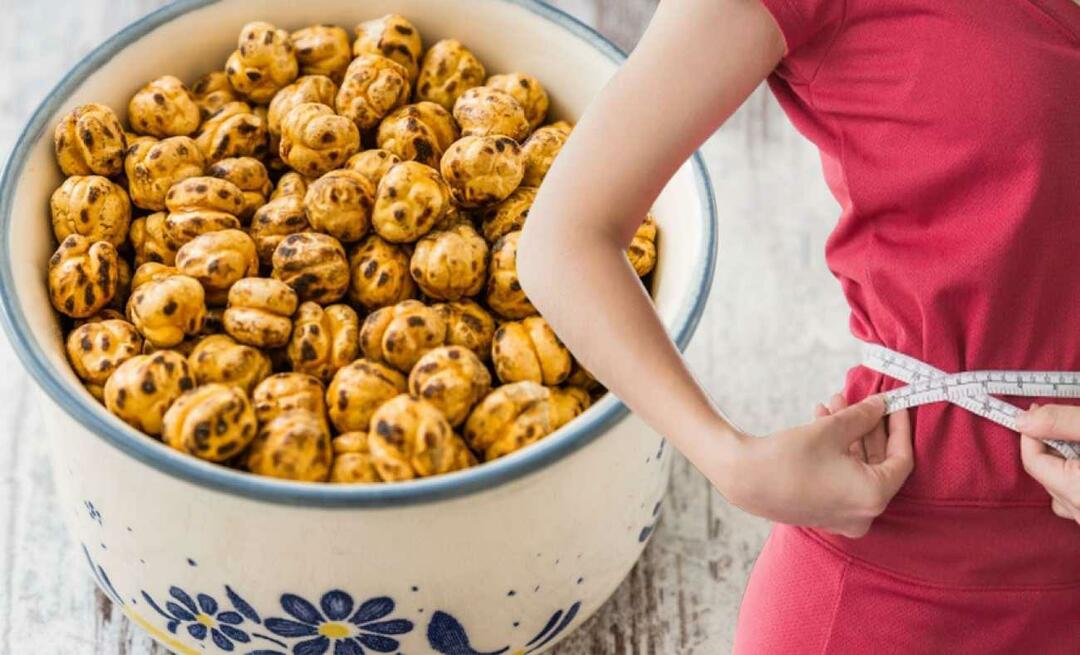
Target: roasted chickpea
{"type": "Point", "coordinates": [295, 445]}
{"type": "Point", "coordinates": [250, 176]}
{"type": "Point", "coordinates": [322, 50]}
{"type": "Point", "coordinates": [153, 167]}
{"type": "Point", "coordinates": [353, 462]}
{"type": "Point", "coordinates": [219, 359]}
{"type": "Point", "coordinates": [390, 36]}
{"type": "Point", "coordinates": [141, 389]}
{"type": "Point", "coordinates": [339, 203]}
{"type": "Point", "coordinates": [373, 87]}
{"type": "Point", "coordinates": [310, 88]}
{"type": "Point", "coordinates": [410, 200]}
{"type": "Point", "coordinates": [263, 62]}
{"type": "Point", "coordinates": [509, 215]}
{"type": "Point", "coordinates": [93, 207]}
{"type": "Point", "coordinates": [323, 340]}
{"type": "Point", "coordinates": [82, 276]}
{"type": "Point", "coordinates": [233, 130]}
{"type": "Point", "coordinates": [162, 108]}
{"type": "Point", "coordinates": [486, 111]}
{"type": "Point", "coordinates": [149, 240]}
{"type": "Point", "coordinates": [379, 273]}
{"type": "Point", "coordinates": [373, 164]}
{"type": "Point", "coordinates": [276, 220]}
{"type": "Point", "coordinates": [402, 334]}
{"type": "Point", "coordinates": [448, 70]}
{"type": "Point", "coordinates": [539, 152]}
{"type": "Point", "coordinates": [510, 418]}
{"type": "Point", "coordinates": [504, 293]}
{"type": "Point", "coordinates": [529, 93]}
{"type": "Point", "coordinates": [200, 205]}
{"type": "Point", "coordinates": [260, 312]}
{"type": "Point", "coordinates": [90, 141]}
{"type": "Point", "coordinates": [642, 251]}
{"type": "Point", "coordinates": [581, 378]}
{"type": "Point", "coordinates": [469, 325]}
{"type": "Point", "coordinates": [96, 349]}
{"type": "Point", "coordinates": [124, 276]}
{"type": "Point", "coordinates": [529, 350]}
{"type": "Point", "coordinates": [290, 184]}
{"type": "Point", "coordinates": [217, 260]}
{"type": "Point", "coordinates": [358, 389]}
{"type": "Point", "coordinates": [420, 132]}
{"type": "Point", "coordinates": [213, 422]}
{"type": "Point", "coordinates": [410, 438]}
{"type": "Point", "coordinates": [213, 91]}
{"type": "Point", "coordinates": [568, 403]}
{"type": "Point", "coordinates": [482, 170]}
{"type": "Point", "coordinates": [451, 378]}
{"type": "Point", "coordinates": [288, 392]}
{"type": "Point", "coordinates": [315, 140]}
{"type": "Point", "coordinates": [152, 271]}
{"type": "Point", "coordinates": [166, 307]}
{"type": "Point", "coordinates": [451, 264]}
{"type": "Point", "coordinates": [314, 265]}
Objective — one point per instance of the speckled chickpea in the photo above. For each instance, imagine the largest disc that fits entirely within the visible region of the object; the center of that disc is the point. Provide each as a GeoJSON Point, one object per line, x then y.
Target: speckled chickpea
{"type": "Point", "coordinates": [295, 445]}
{"type": "Point", "coordinates": [642, 250]}
{"type": "Point", "coordinates": [410, 439]}
{"type": "Point", "coordinates": [260, 312]}
{"type": "Point", "coordinates": [509, 215]}
{"type": "Point", "coordinates": [323, 340]}
{"type": "Point", "coordinates": [373, 164]}
{"type": "Point", "coordinates": [322, 50]}
{"type": "Point", "coordinates": [379, 273]}
{"type": "Point", "coordinates": [529, 350]}
{"type": "Point", "coordinates": [82, 276]}
{"type": "Point", "coordinates": [510, 418]}
{"type": "Point", "coordinates": [402, 334]}
{"type": "Point", "coordinates": [149, 240]}
{"type": "Point", "coordinates": [469, 325]}
{"type": "Point", "coordinates": [276, 220]}
{"type": "Point", "coordinates": [153, 167]}
{"type": "Point", "coordinates": [529, 93]}
{"type": "Point", "coordinates": [124, 276]}
{"type": "Point", "coordinates": [96, 349]}
{"type": "Point", "coordinates": [93, 207]}
{"type": "Point", "coordinates": [213, 91]}
{"type": "Point", "coordinates": [163, 108]}
{"type": "Point", "coordinates": [315, 140]}
{"type": "Point", "coordinates": [448, 70]}
{"type": "Point", "coordinates": [218, 260]}
{"type": "Point", "coordinates": [166, 307]}
{"type": "Point", "coordinates": [290, 184]}
{"type": "Point", "coordinates": [539, 151]}
{"type": "Point", "coordinates": [420, 132]}
{"type": "Point", "coordinates": [482, 170]}
{"type": "Point", "coordinates": [213, 422]}
{"type": "Point", "coordinates": [353, 462]}
{"type": "Point", "coordinates": [373, 87]}
{"type": "Point", "coordinates": [339, 204]}
{"type": "Point", "coordinates": [568, 403]}
{"type": "Point", "coordinates": [314, 265]}
{"type": "Point", "coordinates": [263, 62]}
{"type": "Point", "coordinates": [581, 378]}
{"type": "Point", "coordinates": [151, 271]}
{"type": "Point", "coordinates": [357, 390]}
{"type": "Point", "coordinates": [486, 111]}
{"type": "Point", "coordinates": [200, 205]}
{"type": "Point", "coordinates": [250, 176]}
{"type": "Point", "coordinates": [451, 264]}
{"type": "Point", "coordinates": [410, 199]}
{"type": "Point", "coordinates": [89, 140]}
{"type": "Point", "coordinates": [451, 378]}
{"type": "Point", "coordinates": [233, 130]}
{"type": "Point", "coordinates": [391, 36]}
{"type": "Point", "coordinates": [141, 389]}
{"type": "Point", "coordinates": [504, 293]}
{"type": "Point", "coordinates": [288, 392]}
{"type": "Point", "coordinates": [309, 88]}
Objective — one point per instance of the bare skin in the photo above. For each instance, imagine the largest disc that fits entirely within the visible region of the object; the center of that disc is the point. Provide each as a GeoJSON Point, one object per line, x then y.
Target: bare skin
{"type": "Point", "coordinates": [1060, 477]}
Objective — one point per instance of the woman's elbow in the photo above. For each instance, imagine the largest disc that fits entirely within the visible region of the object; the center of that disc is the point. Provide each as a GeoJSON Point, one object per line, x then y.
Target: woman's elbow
{"type": "Point", "coordinates": [535, 256]}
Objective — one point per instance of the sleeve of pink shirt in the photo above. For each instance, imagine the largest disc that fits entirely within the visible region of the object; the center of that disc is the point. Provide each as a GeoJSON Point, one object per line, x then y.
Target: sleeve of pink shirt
{"type": "Point", "coordinates": [805, 21]}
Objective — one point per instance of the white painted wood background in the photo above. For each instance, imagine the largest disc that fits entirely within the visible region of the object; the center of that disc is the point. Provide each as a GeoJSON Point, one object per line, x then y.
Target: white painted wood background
{"type": "Point", "coordinates": [773, 342]}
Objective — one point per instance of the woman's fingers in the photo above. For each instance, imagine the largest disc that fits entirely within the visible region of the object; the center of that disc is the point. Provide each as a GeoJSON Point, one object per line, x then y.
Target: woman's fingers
{"type": "Point", "coordinates": [899, 458]}
{"type": "Point", "coordinates": [875, 443]}
{"type": "Point", "coordinates": [821, 411]}
{"type": "Point", "coordinates": [1048, 469]}
{"type": "Point", "coordinates": [1050, 422]}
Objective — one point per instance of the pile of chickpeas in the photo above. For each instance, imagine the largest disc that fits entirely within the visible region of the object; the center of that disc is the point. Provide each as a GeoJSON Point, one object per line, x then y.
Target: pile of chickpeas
{"type": "Point", "coordinates": [303, 265]}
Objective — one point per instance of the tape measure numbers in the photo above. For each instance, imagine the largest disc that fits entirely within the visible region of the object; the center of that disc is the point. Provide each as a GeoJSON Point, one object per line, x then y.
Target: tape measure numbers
{"type": "Point", "coordinates": [972, 390]}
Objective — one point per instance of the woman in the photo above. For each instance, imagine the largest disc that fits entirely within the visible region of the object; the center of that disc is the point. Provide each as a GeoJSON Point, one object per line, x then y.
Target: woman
{"type": "Point", "coordinates": [949, 134]}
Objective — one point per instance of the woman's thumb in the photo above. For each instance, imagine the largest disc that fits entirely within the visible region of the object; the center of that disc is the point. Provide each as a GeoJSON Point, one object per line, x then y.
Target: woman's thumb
{"type": "Point", "coordinates": [855, 421]}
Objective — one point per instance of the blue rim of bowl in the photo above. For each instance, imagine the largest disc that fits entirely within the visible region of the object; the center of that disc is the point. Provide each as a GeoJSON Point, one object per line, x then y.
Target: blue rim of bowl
{"type": "Point", "coordinates": [90, 415]}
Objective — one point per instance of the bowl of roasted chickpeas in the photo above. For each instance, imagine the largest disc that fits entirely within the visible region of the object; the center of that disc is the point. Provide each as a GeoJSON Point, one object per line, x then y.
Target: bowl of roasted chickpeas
{"type": "Point", "coordinates": [260, 261]}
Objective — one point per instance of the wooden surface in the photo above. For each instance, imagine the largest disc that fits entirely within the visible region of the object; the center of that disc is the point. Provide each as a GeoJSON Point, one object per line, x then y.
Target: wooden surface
{"type": "Point", "coordinates": [773, 342]}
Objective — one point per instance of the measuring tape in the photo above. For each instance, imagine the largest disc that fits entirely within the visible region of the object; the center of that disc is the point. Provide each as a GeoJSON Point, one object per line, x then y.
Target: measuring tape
{"type": "Point", "coordinates": [972, 390]}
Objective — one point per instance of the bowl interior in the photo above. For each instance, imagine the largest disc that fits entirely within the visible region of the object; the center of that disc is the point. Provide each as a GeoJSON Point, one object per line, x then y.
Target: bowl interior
{"type": "Point", "coordinates": [191, 37]}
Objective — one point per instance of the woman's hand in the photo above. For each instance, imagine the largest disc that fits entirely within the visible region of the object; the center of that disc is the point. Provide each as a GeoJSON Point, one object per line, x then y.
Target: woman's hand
{"type": "Point", "coordinates": [1060, 476]}
{"type": "Point", "coordinates": [837, 473]}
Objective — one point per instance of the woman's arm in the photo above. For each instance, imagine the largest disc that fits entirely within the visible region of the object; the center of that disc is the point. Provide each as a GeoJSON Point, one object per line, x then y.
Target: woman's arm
{"type": "Point", "coordinates": [697, 62]}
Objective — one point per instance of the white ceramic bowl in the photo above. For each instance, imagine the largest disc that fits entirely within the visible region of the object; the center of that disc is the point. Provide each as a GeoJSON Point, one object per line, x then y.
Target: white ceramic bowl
{"type": "Point", "coordinates": [508, 556]}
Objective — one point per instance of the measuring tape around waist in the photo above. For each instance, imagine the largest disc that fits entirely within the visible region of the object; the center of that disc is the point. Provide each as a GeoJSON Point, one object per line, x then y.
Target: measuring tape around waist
{"type": "Point", "coordinates": [972, 390]}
